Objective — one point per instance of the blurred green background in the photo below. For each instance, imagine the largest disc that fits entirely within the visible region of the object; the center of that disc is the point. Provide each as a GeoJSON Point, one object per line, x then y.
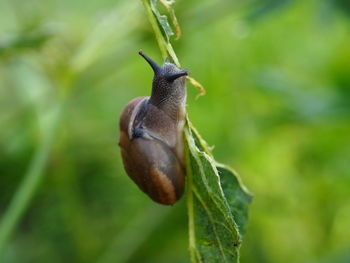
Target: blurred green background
{"type": "Point", "coordinates": [277, 109]}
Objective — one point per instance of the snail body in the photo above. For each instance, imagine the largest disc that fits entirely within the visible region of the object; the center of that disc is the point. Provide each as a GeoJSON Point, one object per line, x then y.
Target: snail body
{"type": "Point", "coordinates": [151, 135]}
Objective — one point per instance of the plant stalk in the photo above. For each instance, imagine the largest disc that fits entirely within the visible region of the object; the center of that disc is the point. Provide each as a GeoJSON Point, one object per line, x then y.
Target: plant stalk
{"type": "Point", "coordinates": [25, 192]}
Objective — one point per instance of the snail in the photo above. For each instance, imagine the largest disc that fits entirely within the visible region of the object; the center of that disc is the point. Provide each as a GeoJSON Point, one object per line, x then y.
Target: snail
{"type": "Point", "coordinates": [151, 135]}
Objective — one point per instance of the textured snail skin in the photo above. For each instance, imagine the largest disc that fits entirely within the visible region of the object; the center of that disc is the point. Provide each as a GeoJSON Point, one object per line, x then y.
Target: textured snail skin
{"type": "Point", "coordinates": [151, 139]}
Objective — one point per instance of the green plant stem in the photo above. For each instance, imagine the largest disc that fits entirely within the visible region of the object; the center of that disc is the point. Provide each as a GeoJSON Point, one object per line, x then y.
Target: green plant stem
{"type": "Point", "coordinates": [189, 195]}
{"type": "Point", "coordinates": [160, 39]}
{"type": "Point", "coordinates": [30, 183]}
{"type": "Point", "coordinates": [165, 47]}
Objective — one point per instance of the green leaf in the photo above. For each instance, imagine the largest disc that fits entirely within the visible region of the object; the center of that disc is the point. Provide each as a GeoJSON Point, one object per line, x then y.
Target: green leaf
{"type": "Point", "coordinates": [217, 204]}
{"type": "Point", "coordinates": [162, 20]}
{"type": "Point", "coordinates": [236, 194]}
